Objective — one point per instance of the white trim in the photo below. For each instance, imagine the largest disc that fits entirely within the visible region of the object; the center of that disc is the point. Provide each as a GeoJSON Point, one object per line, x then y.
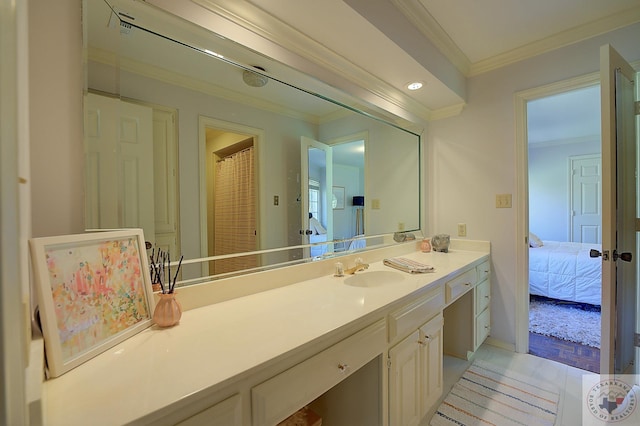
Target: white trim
{"type": "Point", "coordinates": [565, 38]}
{"type": "Point", "coordinates": [258, 139]}
{"type": "Point", "coordinates": [415, 11]}
{"type": "Point", "coordinates": [274, 38]}
{"type": "Point", "coordinates": [419, 16]}
{"type": "Point", "coordinates": [14, 318]}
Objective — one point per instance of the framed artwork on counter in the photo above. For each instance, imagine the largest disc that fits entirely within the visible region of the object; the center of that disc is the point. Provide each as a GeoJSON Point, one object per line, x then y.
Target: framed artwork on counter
{"type": "Point", "coordinates": [93, 292]}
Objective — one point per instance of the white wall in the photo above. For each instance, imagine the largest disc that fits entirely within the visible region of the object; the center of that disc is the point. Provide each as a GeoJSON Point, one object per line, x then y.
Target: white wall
{"type": "Point", "coordinates": [351, 178]}
{"type": "Point", "coordinates": [391, 159]}
{"type": "Point", "coordinates": [56, 83]}
{"type": "Point", "coordinates": [549, 187]}
{"type": "Point", "coordinates": [472, 157]}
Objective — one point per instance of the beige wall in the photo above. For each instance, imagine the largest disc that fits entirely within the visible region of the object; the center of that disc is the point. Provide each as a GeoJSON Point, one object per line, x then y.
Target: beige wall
{"type": "Point", "coordinates": [56, 84]}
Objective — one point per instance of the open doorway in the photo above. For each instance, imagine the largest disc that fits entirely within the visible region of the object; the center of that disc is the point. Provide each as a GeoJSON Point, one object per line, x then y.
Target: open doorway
{"type": "Point", "coordinates": [230, 195]}
{"type": "Point", "coordinates": [564, 202]}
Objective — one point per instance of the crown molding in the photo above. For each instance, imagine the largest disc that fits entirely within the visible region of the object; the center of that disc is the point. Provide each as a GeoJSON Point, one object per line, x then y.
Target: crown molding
{"type": "Point", "coordinates": [416, 12]}
{"type": "Point", "coordinates": [565, 38]}
{"type": "Point", "coordinates": [419, 16]}
{"type": "Point", "coordinates": [246, 15]}
{"type": "Point", "coordinates": [446, 112]}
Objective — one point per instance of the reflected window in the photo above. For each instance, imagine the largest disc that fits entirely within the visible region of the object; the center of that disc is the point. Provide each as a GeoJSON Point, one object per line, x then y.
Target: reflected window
{"type": "Point", "coordinates": [314, 198]}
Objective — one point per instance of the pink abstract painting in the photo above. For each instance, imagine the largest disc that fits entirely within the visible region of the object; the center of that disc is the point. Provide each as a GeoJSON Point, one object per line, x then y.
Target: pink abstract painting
{"type": "Point", "coordinates": [98, 291]}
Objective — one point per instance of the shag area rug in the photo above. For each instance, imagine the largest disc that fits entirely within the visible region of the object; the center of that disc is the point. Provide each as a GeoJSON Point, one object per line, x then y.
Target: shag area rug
{"type": "Point", "coordinates": [486, 394]}
{"type": "Point", "coordinates": [565, 321]}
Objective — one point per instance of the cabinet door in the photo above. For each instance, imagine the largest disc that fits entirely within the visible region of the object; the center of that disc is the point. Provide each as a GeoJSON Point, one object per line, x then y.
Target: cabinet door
{"type": "Point", "coordinates": [483, 296]}
{"type": "Point", "coordinates": [431, 362]}
{"type": "Point", "coordinates": [483, 327]}
{"type": "Point", "coordinates": [405, 382]}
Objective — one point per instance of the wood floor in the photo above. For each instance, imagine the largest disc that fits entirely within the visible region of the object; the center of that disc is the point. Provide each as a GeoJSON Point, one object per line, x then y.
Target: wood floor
{"type": "Point", "coordinates": [566, 352]}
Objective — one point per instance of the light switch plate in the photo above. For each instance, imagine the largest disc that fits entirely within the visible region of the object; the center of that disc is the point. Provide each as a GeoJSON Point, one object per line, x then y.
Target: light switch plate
{"type": "Point", "coordinates": [503, 201]}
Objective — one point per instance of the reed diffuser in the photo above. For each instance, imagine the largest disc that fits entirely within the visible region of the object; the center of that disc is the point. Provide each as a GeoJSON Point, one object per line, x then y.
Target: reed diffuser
{"type": "Point", "coordinates": [168, 310]}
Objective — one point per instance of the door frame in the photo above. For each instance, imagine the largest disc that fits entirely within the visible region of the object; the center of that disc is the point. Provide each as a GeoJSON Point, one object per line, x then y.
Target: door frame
{"type": "Point", "coordinates": [258, 139]}
{"type": "Point", "coordinates": [522, 196]}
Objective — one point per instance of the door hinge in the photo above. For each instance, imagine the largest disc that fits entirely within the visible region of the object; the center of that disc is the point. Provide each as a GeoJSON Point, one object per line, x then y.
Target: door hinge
{"type": "Point", "coordinates": [636, 340]}
{"type": "Point", "coordinates": [388, 362]}
{"type": "Point", "coordinates": [636, 107]}
{"type": "Point", "coordinates": [637, 224]}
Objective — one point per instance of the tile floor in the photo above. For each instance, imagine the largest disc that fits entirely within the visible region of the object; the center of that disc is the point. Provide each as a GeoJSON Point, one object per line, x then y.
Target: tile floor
{"type": "Point", "coordinates": [568, 379]}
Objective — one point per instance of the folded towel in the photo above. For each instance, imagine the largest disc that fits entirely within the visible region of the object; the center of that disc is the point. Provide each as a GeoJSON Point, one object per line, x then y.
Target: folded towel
{"type": "Point", "coordinates": [408, 265]}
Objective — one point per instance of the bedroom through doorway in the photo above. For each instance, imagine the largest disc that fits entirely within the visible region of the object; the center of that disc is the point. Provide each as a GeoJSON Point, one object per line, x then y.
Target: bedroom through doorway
{"type": "Point", "coordinates": [565, 220]}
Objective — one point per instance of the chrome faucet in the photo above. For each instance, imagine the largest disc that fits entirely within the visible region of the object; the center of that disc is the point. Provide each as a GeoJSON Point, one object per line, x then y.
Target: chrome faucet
{"type": "Point", "coordinates": [360, 266]}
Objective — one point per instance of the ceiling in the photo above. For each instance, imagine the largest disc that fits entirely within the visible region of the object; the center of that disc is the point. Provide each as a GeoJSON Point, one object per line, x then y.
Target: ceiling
{"type": "Point", "coordinates": [388, 36]}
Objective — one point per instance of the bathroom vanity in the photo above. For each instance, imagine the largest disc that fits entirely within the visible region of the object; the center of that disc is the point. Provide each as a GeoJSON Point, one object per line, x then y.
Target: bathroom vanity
{"type": "Point", "coordinates": [365, 348]}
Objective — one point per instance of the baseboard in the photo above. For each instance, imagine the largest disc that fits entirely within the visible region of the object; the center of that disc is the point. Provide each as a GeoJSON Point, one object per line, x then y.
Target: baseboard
{"type": "Point", "coordinates": [500, 344]}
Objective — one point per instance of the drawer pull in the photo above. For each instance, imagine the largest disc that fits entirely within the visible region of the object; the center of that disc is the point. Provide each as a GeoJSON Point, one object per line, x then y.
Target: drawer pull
{"type": "Point", "coordinates": [343, 368]}
{"type": "Point", "coordinates": [467, 284]}
{"type": "Point", "coordinates": [486, 297]}
{"type": "Point", "coordinates": [423, 342]}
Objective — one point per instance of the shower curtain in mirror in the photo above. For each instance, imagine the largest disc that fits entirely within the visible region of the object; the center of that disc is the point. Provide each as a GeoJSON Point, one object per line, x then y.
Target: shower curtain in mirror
{"type": "Point", "coordinates": [235, 211]}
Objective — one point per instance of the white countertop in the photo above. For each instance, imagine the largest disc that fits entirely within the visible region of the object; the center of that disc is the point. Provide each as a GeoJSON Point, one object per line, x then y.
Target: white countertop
{"type": "Point", "coordinates": [214, 344]}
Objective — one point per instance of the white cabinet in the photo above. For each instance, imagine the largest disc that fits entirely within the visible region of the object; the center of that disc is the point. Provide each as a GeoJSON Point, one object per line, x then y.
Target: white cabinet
{"type": "Point", "coordinates": [415, 374]}
{"type": "Point", "coordinates": [224, 413]}
{"type": "Point", "coordinates": [467, 315]}
{"type": "Point", "coordinates": [482, 296]}
{"type": "Point", "coordinates": [431, 361]}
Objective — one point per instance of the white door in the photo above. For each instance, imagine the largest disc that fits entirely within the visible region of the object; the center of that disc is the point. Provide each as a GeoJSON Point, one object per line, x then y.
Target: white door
{"type": "Point", "coordinates": [586, 198]}
{"type": "Point", "coordinates": [619, 275]}
{"type": "Point", "coordinates": [322, 165]}
{"type": "Point", "coordinates": [119, 165]}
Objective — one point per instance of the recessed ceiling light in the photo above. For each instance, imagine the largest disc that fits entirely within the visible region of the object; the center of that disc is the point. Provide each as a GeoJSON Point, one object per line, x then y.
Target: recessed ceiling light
{"type": "Point", "coordinates": [414, 85]}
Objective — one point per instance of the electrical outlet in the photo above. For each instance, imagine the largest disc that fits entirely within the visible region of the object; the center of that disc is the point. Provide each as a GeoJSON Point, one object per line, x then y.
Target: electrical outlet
{"type": "Point", "coordinates": [375, 204]}
{"type": "Point", "coordinates": [462, 230]}
{"type": "Point", "coordinates": [400, 226]}
{"type": "Point", "coordinates": [503, 201]}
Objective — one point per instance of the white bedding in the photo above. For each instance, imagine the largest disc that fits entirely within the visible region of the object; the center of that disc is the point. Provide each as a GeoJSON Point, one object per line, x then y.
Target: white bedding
{"type": "Point", "coordinates": [564, 270]}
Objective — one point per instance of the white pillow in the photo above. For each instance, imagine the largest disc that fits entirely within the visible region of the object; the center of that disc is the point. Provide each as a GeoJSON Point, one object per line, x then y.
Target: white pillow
{"type": "Point", "coordinates": [534, 241]}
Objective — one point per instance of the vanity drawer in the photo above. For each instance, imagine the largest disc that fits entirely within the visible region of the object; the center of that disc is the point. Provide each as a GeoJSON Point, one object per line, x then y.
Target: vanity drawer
{"type": "Point", "coordinates": [413, 315]}
{"type": "Point", "coordinates": [460, 284]}
{"type": "Point", "coordinates": [483, 270]}
{"type": "Point", "coordinates": [279, 397]}
{"type": "Point", "coordinates": [483, 327]}
{"type": "Point", "coordinates": [483, 295]}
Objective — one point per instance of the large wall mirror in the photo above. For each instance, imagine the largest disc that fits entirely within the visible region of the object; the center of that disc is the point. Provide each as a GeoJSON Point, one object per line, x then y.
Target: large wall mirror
{"type": "Point", "coordinates": [219, 152]}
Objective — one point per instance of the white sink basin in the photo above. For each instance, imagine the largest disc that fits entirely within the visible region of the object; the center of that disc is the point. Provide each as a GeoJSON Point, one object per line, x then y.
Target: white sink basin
{"type": "Point", "coordinates": [374, 278]}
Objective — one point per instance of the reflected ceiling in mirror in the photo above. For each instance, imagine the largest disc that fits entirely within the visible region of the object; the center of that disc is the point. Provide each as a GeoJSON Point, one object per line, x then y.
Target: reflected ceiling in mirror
{"type": "Point", "coordinates": [175, 107]}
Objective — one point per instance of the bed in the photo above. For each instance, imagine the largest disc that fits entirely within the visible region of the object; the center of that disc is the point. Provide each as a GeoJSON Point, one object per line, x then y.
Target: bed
{"type": "Point", "coordinates": [564, 270]}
